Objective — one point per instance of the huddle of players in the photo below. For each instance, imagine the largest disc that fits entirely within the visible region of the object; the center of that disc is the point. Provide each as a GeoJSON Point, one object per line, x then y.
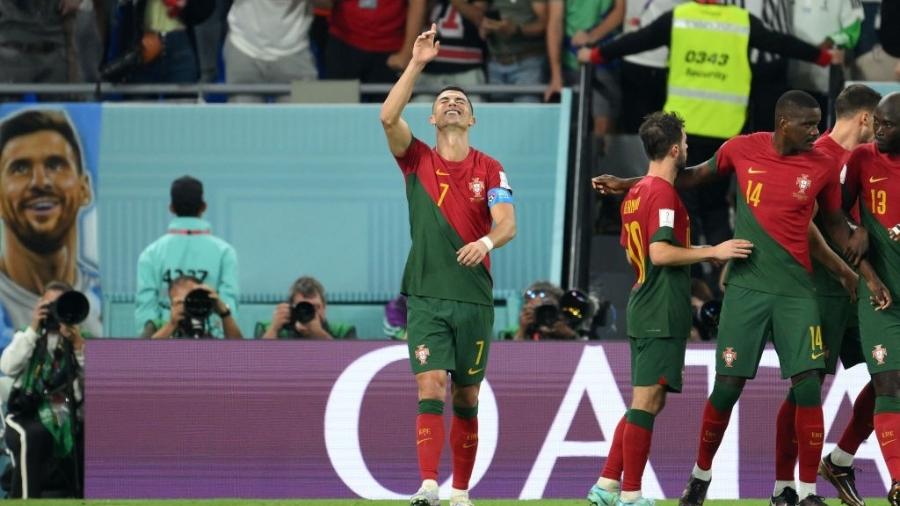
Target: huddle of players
{"type": "Point", "coordinates": [785, 283]}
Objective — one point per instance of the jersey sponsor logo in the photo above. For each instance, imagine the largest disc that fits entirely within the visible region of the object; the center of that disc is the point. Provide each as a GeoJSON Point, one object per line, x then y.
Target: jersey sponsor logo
{"type": "Point", "coordinates": [751, 170]}
{"type": "Point", "coordinates": [817, 356]}
{"type": "Point", "coordinates": [422, 353]}
{"type": "Point", "coordinates": [803, 184]}
{"type": "Point", "coordinates": [729, 356]}
{"type": "Point", "coordinates": [873, 179]}
{"type": "Point", "coordinates": [878, 353]}
{"type": "Point", "coordinates": [473, 372]}
{"type": "Point", "coordinates": [477, 187]}
{"type": "Point", "coordinates": [667, 218]}
{"type": "Point", "coordinates": [439, 172]}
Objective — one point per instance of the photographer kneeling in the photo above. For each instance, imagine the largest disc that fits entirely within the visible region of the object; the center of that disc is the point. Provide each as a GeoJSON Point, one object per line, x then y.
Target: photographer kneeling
{"type": "Point", "coordinates": [304, 316]}
{"type": "Point", "coordinates": [44, 424]}
{"type": "Point", "coordinates": [548, 313]}
{"type": "Point", "coordinates": [193, 305]}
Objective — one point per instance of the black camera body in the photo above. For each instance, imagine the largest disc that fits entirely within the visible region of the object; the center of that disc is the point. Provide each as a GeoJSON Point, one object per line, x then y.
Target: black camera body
{"type": "Point", "coordinates": [71, 308]}
{"type": "Point", "coordinates": [198, 307]}
{"type": "Point", "coordinates": [302, 312]}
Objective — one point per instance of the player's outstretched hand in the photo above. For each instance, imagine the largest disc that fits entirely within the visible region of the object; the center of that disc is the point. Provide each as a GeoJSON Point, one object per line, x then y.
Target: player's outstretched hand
{"type": "Point", "coordinates": [609, 185]}
{"type": "Point", "coordinates": [425, 48]}
{"type": "Point", "coordinates": [881, 296]}
{"type": "Point", "coordinates": [471, 254]}
{"type": "Point", "coordinates": [857, 246]}
{"type": "Point", "coordinates": [733, 248]}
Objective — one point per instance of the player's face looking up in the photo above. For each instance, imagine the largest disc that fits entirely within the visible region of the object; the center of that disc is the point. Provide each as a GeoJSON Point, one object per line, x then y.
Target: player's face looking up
{"type": "Point", "coordinates": [887, 124]}
{"type": "Point", "coordinates": [43, 188]}
{"type": "Point", "coordinates": [452, 108]}
{"type": "Point", "coordinates": [800, 128]}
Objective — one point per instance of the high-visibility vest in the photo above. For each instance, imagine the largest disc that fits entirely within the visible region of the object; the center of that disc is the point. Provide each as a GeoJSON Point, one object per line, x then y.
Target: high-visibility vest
{"type": "Point", "coordinates": [709, 70]}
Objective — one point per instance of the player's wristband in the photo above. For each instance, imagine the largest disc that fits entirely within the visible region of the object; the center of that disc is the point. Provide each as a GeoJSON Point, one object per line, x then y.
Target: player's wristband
{"type": "Point", "coordinates": [487, 242]}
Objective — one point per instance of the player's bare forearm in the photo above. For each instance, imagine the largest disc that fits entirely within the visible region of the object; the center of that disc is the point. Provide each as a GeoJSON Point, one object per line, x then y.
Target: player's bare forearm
{"type": "Point", "coordinates": [697, 175]}
{"type": "Point", "coordinates": [665, 254]}
{"type": "Point", "coordinates": [837, 229]}
{"type": "Point", "coordinates": [822, 253]}
{"type": "Point", "coordinates": [398, 134]}
{"type": "Point", "coordinates": [504, 230]}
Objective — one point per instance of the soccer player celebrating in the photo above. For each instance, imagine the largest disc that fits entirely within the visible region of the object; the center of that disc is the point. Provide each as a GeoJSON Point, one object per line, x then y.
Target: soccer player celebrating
{"type": "Point", "coordinates": [854, 107]}
{"type": "Point", "coordinates": [873, 179]}
{"type": "Point", "coordinates": [455, 192]}
{"type": "Point", "coordinates": [655, 234]}
{"type": "Point", "coordinates": [771, 293]}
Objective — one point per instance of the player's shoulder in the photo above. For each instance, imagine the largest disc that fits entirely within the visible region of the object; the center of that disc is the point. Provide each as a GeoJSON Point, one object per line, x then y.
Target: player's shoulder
{"type": "Point", "coordinates": [482, 158]}
{"type": "Point", "coordinates": [748, 141]}
{"type": "Point", "coordinates": [864, 151]}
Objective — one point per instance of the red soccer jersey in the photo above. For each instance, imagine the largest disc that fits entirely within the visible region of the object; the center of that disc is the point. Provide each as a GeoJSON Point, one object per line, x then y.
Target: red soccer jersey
{"type": "Point", "coordinates": [780, 191]}
{"type": "Point", "coordinates": [837, 152]}
{"type": "Point", "coordinates": [875, 178]}
{"type": "Point", "coordinates": [371, 25]}
{"type": "Point", "coordinates": [459, 189]}
{"type": "Point", "coordinates": [651, 204]}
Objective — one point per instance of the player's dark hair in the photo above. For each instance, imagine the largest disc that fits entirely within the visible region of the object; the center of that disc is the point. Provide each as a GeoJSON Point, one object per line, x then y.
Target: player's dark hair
{"type": "Point", "coordinates": [659, 132]}
{"type": "Point", "coordinates": [854, 99]}
{"type": "Point", "coordinates": [307, 286]}
{"type": "Point", "coordinates": [457, 88]}
{"type": "Point", "coordinates": [791, 102]}
{"type": "Point", "coordinates": [33, 121]}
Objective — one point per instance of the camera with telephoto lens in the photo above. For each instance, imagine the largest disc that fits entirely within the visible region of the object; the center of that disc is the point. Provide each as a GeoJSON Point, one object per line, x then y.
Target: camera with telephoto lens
{"type": "Point", "coordinates": [198, 307]}
{"type": "Point", "coordinates": [302, 312]}
{"type": "Point", "coordinates": [70, 308]}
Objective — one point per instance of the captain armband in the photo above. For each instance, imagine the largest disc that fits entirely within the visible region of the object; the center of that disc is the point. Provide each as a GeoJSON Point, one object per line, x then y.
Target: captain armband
{"type": "Point", "coordinates": [499, 196]}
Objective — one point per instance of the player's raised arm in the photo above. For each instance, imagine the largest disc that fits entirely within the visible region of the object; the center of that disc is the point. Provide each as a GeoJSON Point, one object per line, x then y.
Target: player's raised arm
{"type": "Point", "coordinates": [688, 178]}
{"type": "Point", "coordinates": [398, 133]}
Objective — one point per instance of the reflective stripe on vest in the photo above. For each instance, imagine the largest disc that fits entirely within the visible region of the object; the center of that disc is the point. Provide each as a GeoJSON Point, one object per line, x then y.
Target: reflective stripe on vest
{"type": "Point", "coordinates": [709, 70]}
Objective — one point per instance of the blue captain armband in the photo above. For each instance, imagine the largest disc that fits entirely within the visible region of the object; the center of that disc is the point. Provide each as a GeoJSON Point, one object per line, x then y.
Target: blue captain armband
{"type": "Point", "coordinates": [499, 196]}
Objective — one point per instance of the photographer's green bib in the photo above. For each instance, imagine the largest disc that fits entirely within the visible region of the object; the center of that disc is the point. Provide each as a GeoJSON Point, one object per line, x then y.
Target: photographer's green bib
{"type": "Point", "coordinates": [41, 368]}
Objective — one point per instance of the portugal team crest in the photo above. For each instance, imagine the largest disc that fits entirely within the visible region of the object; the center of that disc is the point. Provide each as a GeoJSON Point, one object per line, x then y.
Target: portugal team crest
{"type": "Point", "coordinates": [729, 356]}
{"type": "Point", "coordinates": [477, 187]}
{"type": "Point", "coordinates": [878, 353]}
{"type": "Point", "coordinates": [803, 184]}
{"type": "Point", "coordinates": [422, 354]}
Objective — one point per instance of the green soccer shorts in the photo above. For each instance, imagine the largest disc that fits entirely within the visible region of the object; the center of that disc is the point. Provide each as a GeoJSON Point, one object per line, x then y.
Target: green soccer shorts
{"type": "Point", "coordinates": [657, 361]}
{"type": "Point", "coordinates": [840, 332]}
{"type": "Point", "coordinates": [880, 331]}
{"type": "Point", "coordinates": [750, 318]}
{"type": "Point", "coordinates": [449, 335]}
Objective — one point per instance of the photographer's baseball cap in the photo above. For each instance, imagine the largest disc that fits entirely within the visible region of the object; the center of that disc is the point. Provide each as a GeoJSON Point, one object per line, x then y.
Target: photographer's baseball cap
{"type": "Point", "coordinates": [187, 196]}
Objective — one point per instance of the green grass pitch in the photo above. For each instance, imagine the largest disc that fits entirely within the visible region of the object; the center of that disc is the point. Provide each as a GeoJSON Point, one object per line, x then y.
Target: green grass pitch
{"type": "Point", "coordinates": [361, 502]}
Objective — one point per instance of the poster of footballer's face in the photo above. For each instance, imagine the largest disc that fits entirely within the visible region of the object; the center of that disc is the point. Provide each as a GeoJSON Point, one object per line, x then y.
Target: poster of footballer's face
{"type": "Point", "coordinates": [48, 163]}
{"type": "Point", "coordinates": [43, 184]}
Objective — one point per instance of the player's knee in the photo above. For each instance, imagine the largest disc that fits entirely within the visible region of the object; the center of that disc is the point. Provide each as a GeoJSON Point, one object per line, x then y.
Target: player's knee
{"type": "Point", "coordinates": [726, 392]}
{"type": "Point", "coordinates": [649, 399]}
{"type": "Point", "coordinates": [465, 396]}
{"type": "Point", "coordinates": [432, 385]}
